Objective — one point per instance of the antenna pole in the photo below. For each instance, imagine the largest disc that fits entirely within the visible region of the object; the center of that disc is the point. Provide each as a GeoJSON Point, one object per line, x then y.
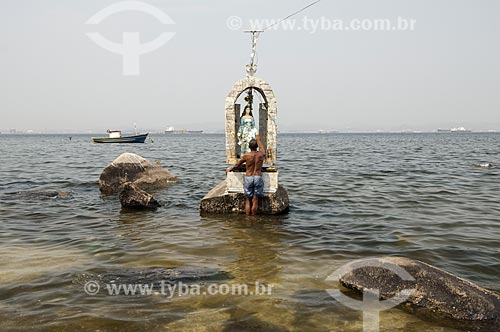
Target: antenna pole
{"type": "Point", "coordinates": [252, 66]}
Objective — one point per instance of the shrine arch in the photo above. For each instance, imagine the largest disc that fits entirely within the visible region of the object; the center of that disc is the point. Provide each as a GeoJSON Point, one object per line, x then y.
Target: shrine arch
{"type": "Point", "coordinates": [267, 118]}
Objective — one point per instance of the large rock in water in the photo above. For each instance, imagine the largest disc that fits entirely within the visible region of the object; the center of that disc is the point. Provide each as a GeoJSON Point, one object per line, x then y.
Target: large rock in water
{"type": "Point", "coordinates": [135, 198]}
{"type": "Point", "coordinates": [130, 167]}
{"type": "Point", "coordinates": [219, 201]}
{"type": "Point", "coordinates": [438, 294]}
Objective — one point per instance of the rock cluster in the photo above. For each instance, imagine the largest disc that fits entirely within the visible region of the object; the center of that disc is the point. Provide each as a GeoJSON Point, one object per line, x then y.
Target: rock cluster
{"type": "Point", "coordinates": [130, 175]}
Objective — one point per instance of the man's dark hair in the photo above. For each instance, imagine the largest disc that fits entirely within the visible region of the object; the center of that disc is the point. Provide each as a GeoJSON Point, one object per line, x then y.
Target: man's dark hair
{"type": "Point", "coordinates": [253, 145]}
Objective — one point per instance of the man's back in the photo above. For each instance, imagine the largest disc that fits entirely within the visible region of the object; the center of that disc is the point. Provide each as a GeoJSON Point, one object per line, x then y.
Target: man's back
{"type": "Point", "coordinates": [253, 184]}
{"type": "Point", "coordinates": [254, 161]}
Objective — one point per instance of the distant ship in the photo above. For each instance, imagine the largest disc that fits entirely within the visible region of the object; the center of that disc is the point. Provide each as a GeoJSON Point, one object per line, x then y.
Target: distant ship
{"type": "Point", "coordinates": [460, 130]}
{"type": "Point", "coordinates": [171, 130]}
{"type": "Point", "coordinates": [455, 130]}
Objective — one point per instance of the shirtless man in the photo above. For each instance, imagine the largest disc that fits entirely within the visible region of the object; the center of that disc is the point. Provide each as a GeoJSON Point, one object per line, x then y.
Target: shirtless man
{"type": "Point", "coordinates": [253, 184]}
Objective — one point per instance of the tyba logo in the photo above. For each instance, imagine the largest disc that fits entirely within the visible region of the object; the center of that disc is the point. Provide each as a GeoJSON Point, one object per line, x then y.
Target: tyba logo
{"type": "Point", "coordinates": [131, 48]}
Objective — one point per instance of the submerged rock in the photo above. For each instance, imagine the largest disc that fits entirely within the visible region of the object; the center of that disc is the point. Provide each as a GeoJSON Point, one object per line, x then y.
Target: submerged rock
{"type": "Point", "coordinates": [154, 275]}
{"type": "Point", "coordinates": [133, 168]}
{"type": "Point", "coordinates": [132, 197]}
{"type": "Point", "coordinates": [219, 201]}
{"type": "Point", "coordinates": [437, 294]}
{"type": "Point", "coordinates": [28, 195]}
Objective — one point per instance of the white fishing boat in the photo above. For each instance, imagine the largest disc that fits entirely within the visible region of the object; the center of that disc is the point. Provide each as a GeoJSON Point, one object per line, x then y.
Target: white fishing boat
{"type": "Point", "coordinates": [115, 136]}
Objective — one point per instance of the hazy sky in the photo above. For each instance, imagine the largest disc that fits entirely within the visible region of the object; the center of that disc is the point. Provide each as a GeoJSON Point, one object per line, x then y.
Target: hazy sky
{"type": "Point", "coordinates": [445, 73]}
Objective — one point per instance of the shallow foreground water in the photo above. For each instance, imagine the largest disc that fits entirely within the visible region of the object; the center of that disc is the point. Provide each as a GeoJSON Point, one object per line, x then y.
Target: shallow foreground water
{"type": "Point", "coordinates": [352, 196]}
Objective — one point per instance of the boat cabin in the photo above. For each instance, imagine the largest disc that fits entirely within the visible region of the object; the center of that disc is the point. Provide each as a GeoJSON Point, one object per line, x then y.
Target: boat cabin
{"type": "Point", "coordinates": [115, 133]}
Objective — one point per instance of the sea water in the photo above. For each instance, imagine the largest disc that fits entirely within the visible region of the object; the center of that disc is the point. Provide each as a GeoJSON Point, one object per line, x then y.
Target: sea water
{"type": "Point", "coordinates": [351, 196]}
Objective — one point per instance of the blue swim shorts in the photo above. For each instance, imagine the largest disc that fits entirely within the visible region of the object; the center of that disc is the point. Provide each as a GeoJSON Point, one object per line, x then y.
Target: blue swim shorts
{"type": "Point", "coordinates": [253, 186]}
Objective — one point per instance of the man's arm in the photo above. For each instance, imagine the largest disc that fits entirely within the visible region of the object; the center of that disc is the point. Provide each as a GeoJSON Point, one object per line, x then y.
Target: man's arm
{"type": "Point", "coordinates": [262, 150]}
{"type": "Point", "coordinates": [238, 164]}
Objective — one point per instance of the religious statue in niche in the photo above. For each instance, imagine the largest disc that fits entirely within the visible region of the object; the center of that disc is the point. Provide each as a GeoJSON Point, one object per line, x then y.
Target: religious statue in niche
{"type": "Point", "coordinates": [247, 130]}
